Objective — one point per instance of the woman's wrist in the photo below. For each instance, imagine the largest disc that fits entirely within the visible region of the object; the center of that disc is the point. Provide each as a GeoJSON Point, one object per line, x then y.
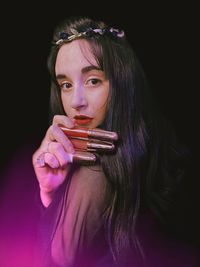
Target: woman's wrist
{"type": "Point", "coordinates": [46, 196]}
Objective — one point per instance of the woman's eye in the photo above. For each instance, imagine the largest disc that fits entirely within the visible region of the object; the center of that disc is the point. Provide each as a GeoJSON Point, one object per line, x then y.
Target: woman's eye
{"type": "Point", "coordinates": [94, 81]}
{"type": "Point", "coordinates": [65, 86]}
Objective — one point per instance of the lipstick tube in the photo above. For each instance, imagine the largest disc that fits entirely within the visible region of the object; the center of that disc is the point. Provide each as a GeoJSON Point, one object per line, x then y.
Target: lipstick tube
{"type": "Point", "coordinates": [83, 157]}
{"type": "Point", "coordinates": [92, 133]}
{"type": "Point", "coordinates": [94, 145]}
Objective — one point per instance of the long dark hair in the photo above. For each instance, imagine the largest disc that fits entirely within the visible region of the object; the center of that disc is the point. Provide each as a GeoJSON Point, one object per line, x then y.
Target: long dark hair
{"type": "Point", "coordinates": [144, 171]}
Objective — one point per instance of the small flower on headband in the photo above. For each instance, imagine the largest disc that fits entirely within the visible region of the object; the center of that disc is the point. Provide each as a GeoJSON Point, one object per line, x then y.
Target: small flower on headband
{"type": "Point", "coordinates": [112, 32]}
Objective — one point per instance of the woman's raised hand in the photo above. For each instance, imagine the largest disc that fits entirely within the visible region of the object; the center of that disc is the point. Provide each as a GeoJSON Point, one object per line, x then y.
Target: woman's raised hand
{"type": "Point", "coordinates": [51, 160]}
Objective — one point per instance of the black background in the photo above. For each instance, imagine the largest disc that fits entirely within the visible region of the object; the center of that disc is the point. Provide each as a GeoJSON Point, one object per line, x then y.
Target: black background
{"type": "Point", "coordinates": [164, 37]}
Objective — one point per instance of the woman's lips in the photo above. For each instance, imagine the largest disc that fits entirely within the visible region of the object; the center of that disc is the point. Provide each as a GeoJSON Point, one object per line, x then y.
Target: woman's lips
{"type": "Point", "coordinates": [82, 119]}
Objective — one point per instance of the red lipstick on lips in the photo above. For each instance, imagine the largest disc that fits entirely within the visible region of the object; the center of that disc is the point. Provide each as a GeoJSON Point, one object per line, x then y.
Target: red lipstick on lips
{"type": "Point", "coordinates": [82, 119]}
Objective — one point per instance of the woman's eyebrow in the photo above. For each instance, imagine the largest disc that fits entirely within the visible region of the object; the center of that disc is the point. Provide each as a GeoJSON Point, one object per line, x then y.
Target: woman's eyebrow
{"type": "Point", "coordinates": [89, 68]}
{"type": "Point", "coordinates": [83, 71]}
{"type": "Point", "coordinates": [61, 76]}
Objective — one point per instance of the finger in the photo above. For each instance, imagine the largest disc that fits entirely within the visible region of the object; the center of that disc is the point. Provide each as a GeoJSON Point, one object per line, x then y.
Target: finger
{"type": "Point", "coordinates": [54, 133]}
{"type": "Point", "coordinates": [60, 153]}
{"type": "Point", "coordinates": [45, 159]}
{"type": "Point", "coordinates": [39, 161]}
{"type": "Point", "coordinates": [63, 120]}
{"type": "Point", "coordinates": [51, 160]}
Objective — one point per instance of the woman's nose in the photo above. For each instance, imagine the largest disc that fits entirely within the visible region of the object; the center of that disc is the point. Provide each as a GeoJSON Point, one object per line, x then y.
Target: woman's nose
{"type": "Point", "coordinates": [79, 98]}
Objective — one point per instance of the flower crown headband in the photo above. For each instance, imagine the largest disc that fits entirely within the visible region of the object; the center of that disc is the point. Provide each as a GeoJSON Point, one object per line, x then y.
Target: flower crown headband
{"type": "Point", "coordinates": [65, 37]}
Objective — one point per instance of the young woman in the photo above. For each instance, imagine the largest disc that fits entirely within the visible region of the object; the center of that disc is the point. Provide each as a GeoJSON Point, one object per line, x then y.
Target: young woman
{"type": "Point", "coordinates": [105, 213]}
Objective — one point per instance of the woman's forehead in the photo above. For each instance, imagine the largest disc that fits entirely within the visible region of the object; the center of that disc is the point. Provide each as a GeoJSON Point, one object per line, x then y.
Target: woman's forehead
{"type": "Point", "coordinates": [77, 49]}
{"type": "Point", "coordinates": [73, 55]}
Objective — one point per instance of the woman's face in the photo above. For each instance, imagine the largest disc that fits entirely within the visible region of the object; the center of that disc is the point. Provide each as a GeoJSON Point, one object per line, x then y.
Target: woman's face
{"type": "Point", "coordinates": [84, 87]}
